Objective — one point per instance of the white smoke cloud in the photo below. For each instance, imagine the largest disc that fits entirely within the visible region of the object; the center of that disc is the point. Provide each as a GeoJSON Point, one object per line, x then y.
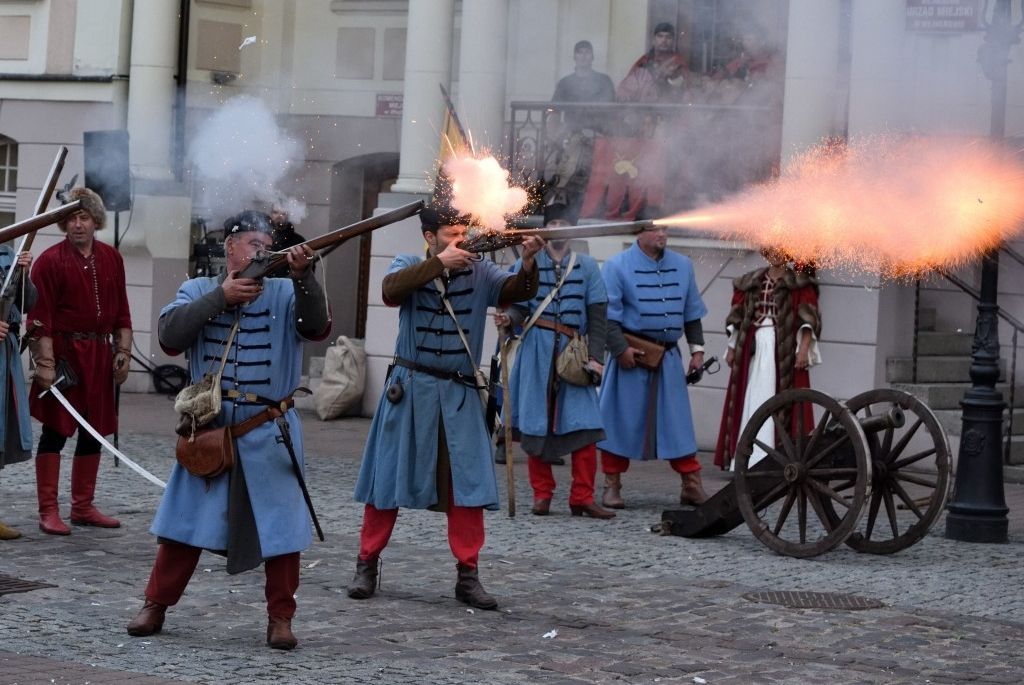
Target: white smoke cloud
{"type": "Point", "coordinates": [239, 156]}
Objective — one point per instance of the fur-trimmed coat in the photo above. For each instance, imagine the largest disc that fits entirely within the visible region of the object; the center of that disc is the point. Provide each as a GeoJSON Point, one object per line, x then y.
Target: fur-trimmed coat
{"type": "Point", "coordinates": [796, 300]}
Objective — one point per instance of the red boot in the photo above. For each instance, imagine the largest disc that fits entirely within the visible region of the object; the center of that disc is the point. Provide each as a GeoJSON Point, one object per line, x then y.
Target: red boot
{"type": "Point", "coordinates": [83, 485]}
{"type": "Point", "coordinates": [47, 477]}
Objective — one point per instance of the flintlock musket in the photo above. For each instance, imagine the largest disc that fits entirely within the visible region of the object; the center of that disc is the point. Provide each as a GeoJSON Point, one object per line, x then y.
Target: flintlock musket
{"type": "Point", "coordinates": [34, 223]}
{"type": "Point", "coordinates": [491, 241]}
{"type": "Point", "coordinates": [264, 263]}
{"type": "Point", "coordinates": [13, 278]}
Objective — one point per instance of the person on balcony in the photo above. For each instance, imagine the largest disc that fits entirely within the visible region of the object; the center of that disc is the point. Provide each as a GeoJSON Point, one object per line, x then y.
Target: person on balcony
{"type": "Point", "coordinates": [576, 129]}
{"type": "Point", "coordinates": [661, 75]}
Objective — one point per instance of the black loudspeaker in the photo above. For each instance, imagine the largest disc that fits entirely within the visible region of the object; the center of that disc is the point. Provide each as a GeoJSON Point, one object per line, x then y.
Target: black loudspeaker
{"type": "Point", "coordinates": [106, 168]}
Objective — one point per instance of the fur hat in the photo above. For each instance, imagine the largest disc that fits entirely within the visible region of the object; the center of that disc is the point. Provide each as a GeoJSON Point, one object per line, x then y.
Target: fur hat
{"type": "Point", "coordinates": [91, 203]}
{"type": "Point", "coordinates": [249, 220]}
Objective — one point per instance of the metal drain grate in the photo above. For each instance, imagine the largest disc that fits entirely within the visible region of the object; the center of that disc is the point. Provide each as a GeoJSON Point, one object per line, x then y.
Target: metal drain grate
{"type": "Point", "coordinates": [813, 600]}
{"type": "Point", "coordinates": [9, 584]}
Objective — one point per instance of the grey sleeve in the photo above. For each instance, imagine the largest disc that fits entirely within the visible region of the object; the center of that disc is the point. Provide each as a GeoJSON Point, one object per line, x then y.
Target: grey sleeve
{"type": "Point", "coordinates": [180, 327]}
{"type": "Point", "coordinates": [694, 332]}
{"type": "Point", "coordinates": [597, 330]}
{"type": "Point", "coordinates": [614, 340]}
{"type": "Point", "coordinates": [312, 316]}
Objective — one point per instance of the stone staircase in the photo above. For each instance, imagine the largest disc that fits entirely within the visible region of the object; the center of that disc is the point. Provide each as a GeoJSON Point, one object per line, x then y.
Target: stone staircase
{"type": "Point", "coordinates": [943, 376]}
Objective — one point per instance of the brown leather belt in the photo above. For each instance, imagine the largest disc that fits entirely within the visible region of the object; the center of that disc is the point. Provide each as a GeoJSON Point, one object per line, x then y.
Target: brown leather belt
{"type": "Point", "coordinates": [557, 327]}
{"type": "Point", "coordinates": [270, 413]}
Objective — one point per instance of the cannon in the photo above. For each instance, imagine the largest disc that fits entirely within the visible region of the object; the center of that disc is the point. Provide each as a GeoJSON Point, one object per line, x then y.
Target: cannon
{"type": "Point", "coordinates": [873, 472]}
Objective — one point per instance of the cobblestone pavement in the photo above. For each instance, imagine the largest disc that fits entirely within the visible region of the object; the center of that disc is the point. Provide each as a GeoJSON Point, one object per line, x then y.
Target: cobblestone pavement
{"type": "Point", "coordinates": [581, 600]}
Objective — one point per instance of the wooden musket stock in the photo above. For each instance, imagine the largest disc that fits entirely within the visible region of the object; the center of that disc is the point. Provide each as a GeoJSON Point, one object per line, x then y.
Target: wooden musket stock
{"type": "Point", "coordinates": [34, 223]}
{"type": "Point", "coordinates": [265, 263]}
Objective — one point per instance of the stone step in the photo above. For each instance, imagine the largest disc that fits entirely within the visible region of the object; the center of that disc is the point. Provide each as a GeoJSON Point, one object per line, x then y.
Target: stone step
{"type": "Point", "coordinates": [949, 395]}
{"type": "Point", "coordinates": [930, 343]}
{"type": "Point", "coordinates": [951, 421]}
{"type": "Point", "coordinates": [933, 369]}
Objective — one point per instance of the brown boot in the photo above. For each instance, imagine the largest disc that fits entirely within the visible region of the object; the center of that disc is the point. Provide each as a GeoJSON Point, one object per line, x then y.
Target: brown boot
{"type": "Point", "coordinates": [365, 581]}
{"type": "Point", "coordinates": [469, 590]}
{"type": "Point", "coordinates": [693, 490]}
{"type": "Point", "coordinates": [47, 478]}
{"type": "Point", "coordinates": [279, 633]}
{"type": "Point", "coordinates": [612, 496]}
{"type": "Point", "coordinates": [149, 621]}
{"type": "Point", "coordinates": [83, 486]}
{"type": "Point", "coordinates": [8, 533]}
{"type": "Point", "coordinates": [591, 510]}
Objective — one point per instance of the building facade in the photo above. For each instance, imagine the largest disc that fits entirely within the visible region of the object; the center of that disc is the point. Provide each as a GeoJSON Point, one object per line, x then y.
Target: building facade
{"type": "Point", "coordinates": [351, 89]}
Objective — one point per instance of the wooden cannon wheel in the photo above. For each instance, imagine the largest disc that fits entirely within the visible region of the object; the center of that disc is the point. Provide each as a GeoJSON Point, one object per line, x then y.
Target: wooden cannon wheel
{"type": "Point", "coordinates": [791, 503]}
{"type": "Point", "coordinates": [910, 473]}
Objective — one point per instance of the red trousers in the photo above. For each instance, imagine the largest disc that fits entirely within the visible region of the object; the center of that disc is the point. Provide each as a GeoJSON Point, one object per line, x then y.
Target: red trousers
{"type": "Point", "coordinates": [584, 468]}
{"type": "Point", "coordinates": [465, 532]}
{"type": "Point", "coordinates": [175, 563]}
{"type": "Point", "coordinates": [613, 463]}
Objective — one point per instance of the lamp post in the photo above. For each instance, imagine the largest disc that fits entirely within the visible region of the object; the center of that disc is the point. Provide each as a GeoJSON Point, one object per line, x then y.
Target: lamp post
{"type": "Point", "coordinates": [977, 511]}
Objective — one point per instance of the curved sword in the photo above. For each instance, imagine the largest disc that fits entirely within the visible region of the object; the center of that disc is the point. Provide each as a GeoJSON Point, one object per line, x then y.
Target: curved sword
{"type": "Point", "coordinates": [103, 441]}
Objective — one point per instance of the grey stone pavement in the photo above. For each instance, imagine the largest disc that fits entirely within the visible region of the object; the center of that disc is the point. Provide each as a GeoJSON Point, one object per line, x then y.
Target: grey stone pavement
{"type": "Point", "coordinates": [581, 600]}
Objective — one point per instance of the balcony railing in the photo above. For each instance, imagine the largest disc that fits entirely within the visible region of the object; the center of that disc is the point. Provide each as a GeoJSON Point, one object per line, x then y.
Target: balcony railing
{"type": "Point", "coordinates": [694, 153]}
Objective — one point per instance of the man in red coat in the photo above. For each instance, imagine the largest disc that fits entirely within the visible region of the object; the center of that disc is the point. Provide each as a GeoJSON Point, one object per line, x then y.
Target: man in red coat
{"type": "Point", "coordinates": [773, 327]}
{"type": "Point", "coordinates": [660, 75]}
{"type": "Point", "coordinates": [81, 326]}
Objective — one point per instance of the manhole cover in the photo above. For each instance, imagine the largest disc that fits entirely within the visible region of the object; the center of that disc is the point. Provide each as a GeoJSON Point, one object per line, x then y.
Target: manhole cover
{"type": "Point", "coordinates": [813, 600]}
{"type": "Point", "coordinates": [9, 584]}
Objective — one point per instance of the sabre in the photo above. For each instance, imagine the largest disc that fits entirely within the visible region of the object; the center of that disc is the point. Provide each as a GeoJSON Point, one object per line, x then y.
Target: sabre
{"type": "Point", "coordinates": [103, 441]}
{"type": "Point", "coordinates": [491, 241]}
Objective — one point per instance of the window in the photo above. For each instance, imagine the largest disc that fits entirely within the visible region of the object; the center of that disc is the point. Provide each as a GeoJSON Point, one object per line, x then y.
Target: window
{"type": "Point", "coordinates": [8, 179]}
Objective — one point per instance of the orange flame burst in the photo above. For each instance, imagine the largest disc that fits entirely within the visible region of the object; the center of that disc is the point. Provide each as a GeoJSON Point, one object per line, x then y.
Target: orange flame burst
{"type": "Point", "coordinates": [481, 189]}
{"type": "Point", "coordinates": [897, 206]}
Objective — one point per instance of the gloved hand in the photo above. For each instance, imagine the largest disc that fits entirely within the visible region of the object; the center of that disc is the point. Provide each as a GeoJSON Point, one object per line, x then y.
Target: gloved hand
{"type": "Point", "coordinates": [46, 368]}
{"type": "Point", "coordinates": [122, 354]}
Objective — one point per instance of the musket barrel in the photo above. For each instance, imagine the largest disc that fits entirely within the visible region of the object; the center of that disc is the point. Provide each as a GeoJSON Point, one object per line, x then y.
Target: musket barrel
{"type": "Point", "coordinates": [497, 240]}
{"type": "Point", "coordinates": [258, 268]}
{"type": "Point", "coordinates": [34, 223]}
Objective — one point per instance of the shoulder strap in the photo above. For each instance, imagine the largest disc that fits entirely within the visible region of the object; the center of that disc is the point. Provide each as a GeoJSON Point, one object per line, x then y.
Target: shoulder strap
{"type": "Point", "coordinates": [551, 294]}
{"type": "Point", "coordinates": [227, 345]}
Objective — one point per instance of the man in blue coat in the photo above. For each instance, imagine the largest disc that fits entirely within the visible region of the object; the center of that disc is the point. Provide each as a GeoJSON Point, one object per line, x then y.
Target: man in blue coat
{"type": "Point", "coordinates": [255, 513]}
{"type": "Point", "coordinates": [428, 447]}
{"type": "Point", "coordinates": [652, 295]}
{"type": "Point", "coordinates": [550, 416]}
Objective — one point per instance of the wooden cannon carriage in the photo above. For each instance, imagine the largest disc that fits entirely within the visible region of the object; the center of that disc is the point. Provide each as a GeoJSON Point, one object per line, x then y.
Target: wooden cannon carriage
{"type": "Point", "coordinates": [881, 454]}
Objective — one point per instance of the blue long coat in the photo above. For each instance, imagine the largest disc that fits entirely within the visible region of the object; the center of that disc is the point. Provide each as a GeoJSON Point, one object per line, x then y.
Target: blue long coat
{"type": "Point", "coordinates": [400, 460]}
{"type": "Point", "coordinates": [576, 406]}
{"type": "Point", "coordinates": [266, 359]}
{"type": "Point", "coordinates": [14, 401]}
{"type": "Point", "coordinates": [653, 298]}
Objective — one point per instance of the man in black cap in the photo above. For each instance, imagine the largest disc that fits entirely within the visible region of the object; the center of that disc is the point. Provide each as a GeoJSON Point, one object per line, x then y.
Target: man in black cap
{"type": "Point", "coordinates": [551, 416]}
{"type": "Point", "coordinates": [255, 512]}
{"type": "Point", "coordinates": [428, 447]}
{"type": "Point", "coordinates": [660, 75]}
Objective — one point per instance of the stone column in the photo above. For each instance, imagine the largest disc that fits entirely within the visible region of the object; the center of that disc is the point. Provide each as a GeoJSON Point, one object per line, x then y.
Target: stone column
{"type": "Point", "coordinates": [428, 62]}
{"type": "Point", "coordinates": [151, 95]}
{"type": "Point", "coordinates": [482, 68]}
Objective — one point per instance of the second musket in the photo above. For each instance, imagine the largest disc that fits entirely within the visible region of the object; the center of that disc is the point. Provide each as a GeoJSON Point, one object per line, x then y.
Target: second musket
{"type": "Point", "coordinates": [34, 223]}
{"type": "Point", "coordinates": [266, 262]}
{"type": "Point", "coordinates": [490, 241]}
